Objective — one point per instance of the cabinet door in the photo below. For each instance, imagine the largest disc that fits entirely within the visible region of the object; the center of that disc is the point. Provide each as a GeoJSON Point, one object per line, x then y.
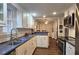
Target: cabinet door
{"type": "Point", "coordinates": [3, 13]}
{"type": "Point", "coordinates": [27, 48]}
{"type": "Point", "coordinates": [34, 41]}
{"type": "Point", "coordinates": [70, 50]}
{"type": "Point", "coordinates": [33, 45]}
{"type": "Point", "coordinates": [38, 38]}
{"type": "Point", "coordinates": [30, 46]}
{"type": "Point", "coordinates": [67, 49]}
{"type": "Point", "coordinates": [20, 50]}
{"type": "Point", "coordinates": [44, 41]}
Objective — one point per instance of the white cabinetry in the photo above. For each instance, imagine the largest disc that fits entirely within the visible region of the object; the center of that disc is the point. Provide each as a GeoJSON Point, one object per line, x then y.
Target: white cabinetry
{"type": "Point", "coordinates": [70, 50]}
{"type": "Point", "coordinates": [28, 21]}
{"type": "Point", "coordinates": [42, 41]}
{"type": "Point", "coordinates": [3, 13]}
{"type": "Point", "coordinates": [27, 48]}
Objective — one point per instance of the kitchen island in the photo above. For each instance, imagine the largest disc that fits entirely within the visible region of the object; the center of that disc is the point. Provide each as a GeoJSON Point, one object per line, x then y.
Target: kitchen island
{"type": "Point", "coordinates": [42, 39]}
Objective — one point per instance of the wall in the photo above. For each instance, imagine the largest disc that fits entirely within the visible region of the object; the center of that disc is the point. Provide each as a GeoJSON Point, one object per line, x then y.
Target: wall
{"type": "Point", "coordinates": [61, 22]}
{"type": "Point", "coordinates": [50, 27]}
{"type": "Point", "coordinates": [54, 34]}
{"type": "Point", "coordinates": [69, 11]}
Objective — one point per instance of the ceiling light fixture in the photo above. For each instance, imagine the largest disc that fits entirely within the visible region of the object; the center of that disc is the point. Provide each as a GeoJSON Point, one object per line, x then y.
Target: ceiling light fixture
{"type": "Point", "coordinates": [46, 22]}
{"type": "Point", "coordinates": [54, 13]}
{"type": "Point", "coordinates": [34, 14]}
{"type": "Point", "coordinates": [44, 16]}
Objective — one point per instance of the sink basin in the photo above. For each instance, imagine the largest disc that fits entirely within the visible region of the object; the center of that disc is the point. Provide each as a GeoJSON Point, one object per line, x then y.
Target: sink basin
{"type": "Point", "coordinates": [14, 43]}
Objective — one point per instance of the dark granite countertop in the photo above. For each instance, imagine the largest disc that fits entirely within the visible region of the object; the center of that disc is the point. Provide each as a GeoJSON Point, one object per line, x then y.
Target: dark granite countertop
{"type": "Point", "coordinates": [41, 33]}
{"type": "Point", "coordinates": [5, 48]}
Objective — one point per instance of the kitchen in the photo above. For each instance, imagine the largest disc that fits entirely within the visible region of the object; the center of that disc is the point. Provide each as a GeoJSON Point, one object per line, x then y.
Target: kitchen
{"type": "Point", "coordinates": [38, 29]}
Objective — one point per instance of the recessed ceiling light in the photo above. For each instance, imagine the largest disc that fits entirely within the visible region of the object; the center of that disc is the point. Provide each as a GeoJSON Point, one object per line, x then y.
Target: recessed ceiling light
{"type": "Point", "coordinates": [34, 14]}
{"type": "Point", "coordinates": [54, 13]}
{"type": "Point", "coordinates": [44, 16]}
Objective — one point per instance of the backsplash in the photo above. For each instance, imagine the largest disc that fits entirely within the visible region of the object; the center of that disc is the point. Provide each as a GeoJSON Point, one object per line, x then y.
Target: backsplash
{"type": "Point", "coordinates": [22, 31]}
{"type": "Point", "coordinates": [3, 36]}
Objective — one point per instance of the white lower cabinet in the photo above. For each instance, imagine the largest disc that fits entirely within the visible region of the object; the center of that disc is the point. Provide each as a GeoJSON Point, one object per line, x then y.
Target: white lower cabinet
{"type": "Point", "coordinates": [27, 48]}
{"type": "Point", "coordinates": [70, 50]}
{"type": "Point", "coordinates": [42, 41]}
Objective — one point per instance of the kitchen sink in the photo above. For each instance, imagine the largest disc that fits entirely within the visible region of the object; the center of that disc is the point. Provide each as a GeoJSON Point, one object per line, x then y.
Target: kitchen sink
{"type": "Point", "coordinates": [14, 42]}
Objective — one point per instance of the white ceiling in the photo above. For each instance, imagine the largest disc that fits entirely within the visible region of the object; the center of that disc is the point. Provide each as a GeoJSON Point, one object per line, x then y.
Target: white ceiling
{"type": "Point", "coordinates": [45, 8]}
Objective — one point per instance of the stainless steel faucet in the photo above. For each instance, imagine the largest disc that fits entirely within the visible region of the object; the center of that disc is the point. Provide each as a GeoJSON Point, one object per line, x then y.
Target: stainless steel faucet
{"type": "Point", "coordinates": [12, 34]}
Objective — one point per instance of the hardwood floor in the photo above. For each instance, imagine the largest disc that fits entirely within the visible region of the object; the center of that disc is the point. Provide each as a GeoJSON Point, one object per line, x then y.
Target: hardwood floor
{"type": "Point", "coordinates": [52, 50]}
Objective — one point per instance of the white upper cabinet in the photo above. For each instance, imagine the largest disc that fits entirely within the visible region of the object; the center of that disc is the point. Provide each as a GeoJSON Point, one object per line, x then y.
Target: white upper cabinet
{"type": "Point", "coordinates": [25, 20]}
{"type": "Point", "coordinates": [3, 13]}
{"type": "Point", "coordinates": [19, 18]}
{"type": "Point", "coordinates": [28, 20]}
{"type": "Point", "coordinates": [11, 17]}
